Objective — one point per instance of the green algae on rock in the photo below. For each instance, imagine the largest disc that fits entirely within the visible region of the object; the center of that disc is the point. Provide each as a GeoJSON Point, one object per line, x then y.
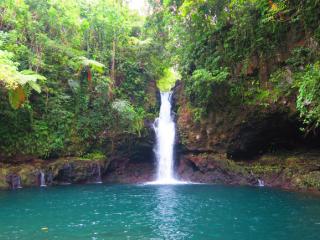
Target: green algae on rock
{"type": "Point", "coordinates": [59, 171]}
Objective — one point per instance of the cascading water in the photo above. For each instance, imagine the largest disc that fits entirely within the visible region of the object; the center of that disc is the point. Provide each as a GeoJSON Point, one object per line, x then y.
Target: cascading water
{"type": "Point", "coordinates": [15, 181]}
{"type": "Point", "coordinates": [42, 180]}
{"type": "Point", "coordinates": [164, 127]}
{"type": "Point", "coordinates": [98, 174]}
{"type": "Point", "coordinates": [260, 183]}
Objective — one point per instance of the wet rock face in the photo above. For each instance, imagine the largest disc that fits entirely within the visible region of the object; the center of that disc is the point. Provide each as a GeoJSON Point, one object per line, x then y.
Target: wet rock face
{"type": "Point", "coordinates": [288, 171]}
{"type": "Point", "coordinates": [38, 177]}
{"type": "Point", "coordinates": [59, 171]}
{"type": "Point", "coordinates": [134, 163]}
{"type": "Point", "coordinates": [124, 170]}
{"type": "Point", "coordinates": [65, 174]}
{"type": "Point", "coordinates": [95, 173]}
{"type": "Point", "coordinates": [242, 133]}
{"type": "Point", "coordinates": [212, 168]}
{"type": "Point", "coordinates": [14, 181]}
{"type": "Point", "coordinates": [79, 171]}
{"type": "Point", "coordinates": [44, 178]}
{"type": "Point", "coordinates": [258, 135]}
{"type": "Point", "coordinates": [49, 178]}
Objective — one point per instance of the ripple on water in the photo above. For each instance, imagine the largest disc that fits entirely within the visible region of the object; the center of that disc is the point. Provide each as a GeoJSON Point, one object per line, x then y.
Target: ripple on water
{"type": "Point", "coordinates": [158, 212]}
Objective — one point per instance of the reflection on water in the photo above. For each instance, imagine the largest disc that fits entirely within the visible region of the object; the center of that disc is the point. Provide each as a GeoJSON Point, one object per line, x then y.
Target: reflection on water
{"type": "Point", "coordinates": [165, 213]}
{"type": "Point", "coordinates": [176, 212]}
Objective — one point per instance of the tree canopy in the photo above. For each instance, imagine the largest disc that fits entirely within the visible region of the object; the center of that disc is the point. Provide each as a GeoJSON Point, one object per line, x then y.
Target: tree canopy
{"type": "Point", "coordinates": [76, 75]}
{"type": "Point", "coordinates": [65, 66]}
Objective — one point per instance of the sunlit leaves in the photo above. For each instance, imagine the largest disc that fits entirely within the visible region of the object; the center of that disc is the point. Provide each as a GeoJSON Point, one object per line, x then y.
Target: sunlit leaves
{"type": "Point", "coordinates": [8, 70]}
{"type": "Point", "coordinates": [94, 65]}
{"type": "Point", "coordinates": [168, 80]}
{"type": "Point", "coordinates": [15, 81]}
{"type": "Point", "coordinates": [190, 7]}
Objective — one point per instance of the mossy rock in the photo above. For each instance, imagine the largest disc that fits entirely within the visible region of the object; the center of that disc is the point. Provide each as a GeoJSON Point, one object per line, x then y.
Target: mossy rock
{"type": "Point", "coordinates": [75, 170]}
{"type": "Point", "coordinates": [4, 171]}
{"type": "Point", "coordinates": [311, 180]}
{"type": "Point", "coordinates": [28, 172]}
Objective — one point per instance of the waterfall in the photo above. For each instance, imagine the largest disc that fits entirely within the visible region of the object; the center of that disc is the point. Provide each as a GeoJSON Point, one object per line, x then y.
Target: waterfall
{"type": "Point", "coordinates": [14, 180]}
{"type": "Point", "coordinates": [19, 182]}
{"type": "Point", "coordinates": [260, 183]}
{"type": "Point", "coordinates": [42, 179]}
{"type": "Point", "coordinates": [98, 177]}
{"type": "Point", "coordinates": [164, 127]}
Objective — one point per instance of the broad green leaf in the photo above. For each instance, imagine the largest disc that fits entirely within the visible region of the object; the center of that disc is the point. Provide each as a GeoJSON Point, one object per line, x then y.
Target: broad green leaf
{"type": "Point", "coordinates": [97, 66]}
{"type": "Point", "coordinates": [35, 86]}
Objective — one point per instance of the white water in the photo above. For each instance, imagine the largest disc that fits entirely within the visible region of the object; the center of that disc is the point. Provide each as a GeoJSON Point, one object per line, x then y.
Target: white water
{"type": "Point", "coordinates": [98, 179]}
{"type": "Point", "coordinates": [42, 180]}
{"type": "Point", "coordinates": [164, 127]}
{"type": "Point", "coordinates": [19, 182]}
{"type": "Point", "coordinates": [260, 183]}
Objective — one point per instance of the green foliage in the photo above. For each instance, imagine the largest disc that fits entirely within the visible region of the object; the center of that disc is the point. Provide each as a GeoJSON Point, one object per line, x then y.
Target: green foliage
{"type": "Point", "coordinates": [79, 73]}
{"type": "Point", "coordinates": [17, 82]}
{"type": "Point", "coordinates": [12, 78]}
{"type": "Point", "coordinates": [97, 66]}
{"type": "Point", "coordinates": [308, 102]}
{"type": "Point", "coordinates": [200, 87]}
{"type": "Point", "coordinates": [168, 80]}
{"type": "Point", "coordinates": [55, 61]}
{"type": "Point", "coordinates": [300, 56]}
{"type": "Point", "coordinates": [235, 52]}
{"type": "Point", "coordinates": [96, 155]}
{"type": "Point", "coordinates": [129, 119]}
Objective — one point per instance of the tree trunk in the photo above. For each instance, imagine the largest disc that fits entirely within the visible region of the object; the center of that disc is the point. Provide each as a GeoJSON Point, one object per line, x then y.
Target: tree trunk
{"type": "Point", "coordinates": [113, 66]}
{"type": "Point", "coordinates": [113, 69]}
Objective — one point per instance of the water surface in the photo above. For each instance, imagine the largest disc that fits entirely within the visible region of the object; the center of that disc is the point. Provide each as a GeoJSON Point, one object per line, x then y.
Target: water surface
{"type": "Point", "coordinates": [158, 212]}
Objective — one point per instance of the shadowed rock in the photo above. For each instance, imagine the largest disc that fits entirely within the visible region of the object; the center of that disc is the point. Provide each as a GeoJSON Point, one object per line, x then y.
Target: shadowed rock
{"type": "Point", "coordinates": [14, 181]}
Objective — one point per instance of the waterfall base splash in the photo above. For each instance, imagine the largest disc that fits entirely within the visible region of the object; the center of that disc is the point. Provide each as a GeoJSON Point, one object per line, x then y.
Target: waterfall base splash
{"type": "Point", "coordinates": [167, 182]}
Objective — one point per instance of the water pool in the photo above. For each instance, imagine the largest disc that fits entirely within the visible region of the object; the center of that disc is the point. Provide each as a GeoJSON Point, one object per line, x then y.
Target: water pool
{"type": "Point", "coordinates": [158, 212]}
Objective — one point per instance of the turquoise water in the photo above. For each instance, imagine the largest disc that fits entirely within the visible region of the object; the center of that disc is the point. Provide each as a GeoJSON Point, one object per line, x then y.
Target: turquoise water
{"type": "Point", "coordinates": [158, 212]}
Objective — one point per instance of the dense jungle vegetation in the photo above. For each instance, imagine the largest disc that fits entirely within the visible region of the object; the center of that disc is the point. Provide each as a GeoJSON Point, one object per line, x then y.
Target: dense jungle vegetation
{"type": "Point", "coordinates": [73, 75]}
{"type": "Point", "coordinates": [247, 53]}
{"type": "Point", "coordinates": [76, 75]}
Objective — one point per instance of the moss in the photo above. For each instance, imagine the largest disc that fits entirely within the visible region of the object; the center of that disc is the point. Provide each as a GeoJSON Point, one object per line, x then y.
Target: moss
{"type": "Point", "coordinates": [310, 180]}
{"type": "Point", "coordinates": [93, 156]}
{"type": "Point", "coordinates": [4, 170]}
{"type": "Point", "coordinates": [222, 162]}
{"type": "Point", "coordinates": [263, 169]}
{"type": "Point", "coordinates": [27, 174]}
{"type": "Point", "coordinates": [300, 170]}
{"type": "Point", "coordinates": [234, 167]}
